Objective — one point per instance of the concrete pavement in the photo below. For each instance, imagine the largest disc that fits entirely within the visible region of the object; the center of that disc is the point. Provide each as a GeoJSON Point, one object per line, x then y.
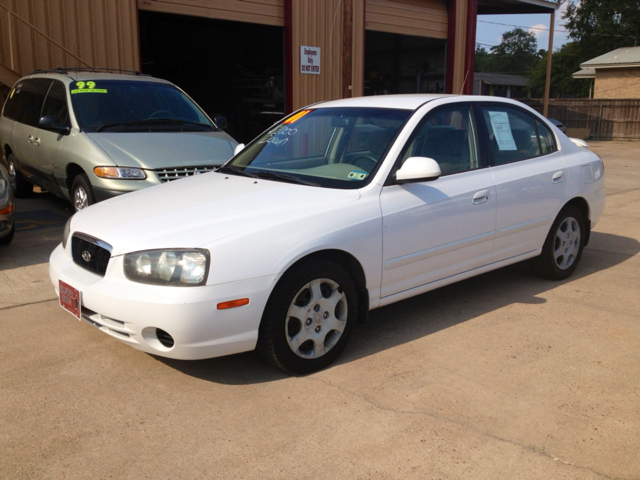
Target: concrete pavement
{"type": "Point", "coordinates": [502, 376]}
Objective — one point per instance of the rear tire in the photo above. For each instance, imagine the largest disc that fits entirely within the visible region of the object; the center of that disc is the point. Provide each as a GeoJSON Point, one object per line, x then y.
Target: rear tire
{"type": "Point", "coordinates": [309, 318]}
{"type": "Point", "coordinates": [21, 187]}
{"type": "Point", "coordinates": [563, 247]}
{"type": "Point", "coordinates": [81, 192]}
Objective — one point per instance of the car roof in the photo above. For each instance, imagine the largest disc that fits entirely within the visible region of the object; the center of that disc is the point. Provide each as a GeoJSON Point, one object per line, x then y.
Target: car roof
{"type": "Point", "coordinates": [68, 76]}
{"type": "Point", "coordinates": [408, 101]}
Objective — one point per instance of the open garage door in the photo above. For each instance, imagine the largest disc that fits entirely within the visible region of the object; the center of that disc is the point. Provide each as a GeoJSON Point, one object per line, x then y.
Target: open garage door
{"type": "Point", "coordinates": [232, 68]}
{"type": "Point", "coordinates": [405, 46]}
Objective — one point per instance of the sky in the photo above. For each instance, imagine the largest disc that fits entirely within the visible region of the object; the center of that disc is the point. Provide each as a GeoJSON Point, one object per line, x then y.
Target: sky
{"type": "Point", "coordinates": [491, 27]}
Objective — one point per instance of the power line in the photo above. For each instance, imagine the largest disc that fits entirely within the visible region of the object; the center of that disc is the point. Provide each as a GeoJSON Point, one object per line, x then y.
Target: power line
{"type": "Point", "coordinates": [522, 26]}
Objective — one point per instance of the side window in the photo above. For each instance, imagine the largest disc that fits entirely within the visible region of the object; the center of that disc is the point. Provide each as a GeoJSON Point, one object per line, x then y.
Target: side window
{"type": "Point", "coordinates": [449, 137]}
{"type": "Point", "coordinates": [11, 105]}
{"type": "Point", "coordinates": [547, 140]}
{"type": "Point", "coordinates": [56, 103]}
{"type": "Point", "coordinates": [31, 99]}
{"type": "Point", "coordinates": [512, 134]}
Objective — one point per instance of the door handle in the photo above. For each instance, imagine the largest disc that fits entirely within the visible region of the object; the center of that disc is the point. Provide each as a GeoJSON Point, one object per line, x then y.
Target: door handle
{"type": "Point", "coordinates": [36, 140]}
{"type": "Point", "coordinates": [558, 177]}
{"type": "Point", "coordinates": [480, 197]}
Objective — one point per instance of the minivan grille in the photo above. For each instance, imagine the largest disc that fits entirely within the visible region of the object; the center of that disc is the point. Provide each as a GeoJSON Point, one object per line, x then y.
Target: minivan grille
{"type": "Point", "coordinates": [170, 174]}
{"type": "Point", "coordinates": [90, 253]}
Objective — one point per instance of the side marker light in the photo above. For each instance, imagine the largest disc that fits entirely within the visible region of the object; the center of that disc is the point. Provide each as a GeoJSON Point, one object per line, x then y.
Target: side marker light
{"type": "Point", "coordinates": [233, 304]}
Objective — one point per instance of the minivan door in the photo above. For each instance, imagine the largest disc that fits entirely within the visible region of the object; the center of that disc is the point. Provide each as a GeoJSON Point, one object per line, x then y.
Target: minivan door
{"type": "Point", "coordinates": [31, 94]}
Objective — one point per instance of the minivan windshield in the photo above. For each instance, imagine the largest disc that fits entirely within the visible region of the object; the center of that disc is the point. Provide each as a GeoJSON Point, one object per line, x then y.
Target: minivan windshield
{"type": "Point", "coordinates": [328, 147]}
{"type": "Point", "coordinates": [128, 106]}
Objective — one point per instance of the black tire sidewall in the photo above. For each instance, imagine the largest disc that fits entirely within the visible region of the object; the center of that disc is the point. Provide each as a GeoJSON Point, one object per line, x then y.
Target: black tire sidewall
{"type": "Point", "coordinates": [545, 265]}
{"type": "Point", "coordinates": [83, 181]}
{"type": "Point", "coordinates": [272, 342]}
{"type": "Point", "coordinates": [23, 188]}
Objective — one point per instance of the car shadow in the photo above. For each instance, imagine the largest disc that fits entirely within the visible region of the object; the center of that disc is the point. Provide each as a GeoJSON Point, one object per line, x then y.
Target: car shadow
{"type": "Point", "coordinates": [39, 222]}
{"type": "Point", "coordinates": [428, 313]}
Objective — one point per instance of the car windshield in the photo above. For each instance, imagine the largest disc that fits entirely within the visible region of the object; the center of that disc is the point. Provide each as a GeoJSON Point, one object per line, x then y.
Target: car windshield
{"type": "Point", "coordinates": [327, 147]}
{"type": "Point", "coordinates": [120, 105]}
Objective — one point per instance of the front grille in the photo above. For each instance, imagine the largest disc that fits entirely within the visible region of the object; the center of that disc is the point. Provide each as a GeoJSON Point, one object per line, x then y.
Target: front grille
{"type": "Point", "coordinates": [170, 174]}
{"type": "Point", "coordinates": [90, 253]}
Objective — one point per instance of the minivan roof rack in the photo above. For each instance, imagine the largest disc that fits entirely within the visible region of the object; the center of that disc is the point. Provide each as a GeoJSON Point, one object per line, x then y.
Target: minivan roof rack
{"type": "Point", "coordinates": [64, 70]}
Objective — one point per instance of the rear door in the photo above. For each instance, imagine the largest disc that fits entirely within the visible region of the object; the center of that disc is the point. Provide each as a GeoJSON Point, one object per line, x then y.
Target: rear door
{"type": "Point", "coordinates": [31, 94]}
{"type": "Point", "coordinates": [530, 176]}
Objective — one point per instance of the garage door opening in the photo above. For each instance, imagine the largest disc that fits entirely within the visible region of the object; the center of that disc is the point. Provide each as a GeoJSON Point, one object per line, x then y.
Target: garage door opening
{"type": "Point", "coordinates": [397, 63]}
{"type": "Point", "coordinates": [230, 68]}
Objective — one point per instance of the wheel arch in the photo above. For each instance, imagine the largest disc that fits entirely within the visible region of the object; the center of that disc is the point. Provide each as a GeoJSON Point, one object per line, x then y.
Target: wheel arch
{"type": "Point", "coordinates": [581, 204]}
{"type": "Point", "coordinates": [353, 268]}
{"type": "Point", "coordinates": [72, 171]}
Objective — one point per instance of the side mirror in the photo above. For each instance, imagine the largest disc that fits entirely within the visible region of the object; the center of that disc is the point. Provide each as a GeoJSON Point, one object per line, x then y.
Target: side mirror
{"type": "Point", "coordinates": [220, 121]}
{"type": "Point", "coordinates": [50, 122]}
{"type": "Point", "coordinates": [238, 149]}
{"type": "Point", "coordinates": [418, 169]}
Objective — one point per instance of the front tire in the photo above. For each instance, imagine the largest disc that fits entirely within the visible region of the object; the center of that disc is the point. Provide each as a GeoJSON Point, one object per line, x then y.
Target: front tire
{"type": "Point", "coordinates": [21, 187]}
{"type": "Point", "coordinates": [309, 318]}
{"type": "Point", "coordinates": [563, 247]}
{"type": "Point", "coordinates": [81, 192]}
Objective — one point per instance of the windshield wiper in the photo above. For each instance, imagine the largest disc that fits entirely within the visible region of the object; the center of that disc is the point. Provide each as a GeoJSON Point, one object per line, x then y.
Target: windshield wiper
{"type": "Point", "coordinates": [235, 171]}
{"type": "Point", "coordinates": [284, 177]}
{"type": "Point", "coordinates": [151, 121]}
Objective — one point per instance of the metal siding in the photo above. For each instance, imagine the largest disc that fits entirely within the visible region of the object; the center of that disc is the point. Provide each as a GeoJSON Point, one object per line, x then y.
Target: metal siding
{"type": "Point", "coordinates": [422, 18]}
{"type": "Point", "coordinates": [357, 56]}
{"type": "Point", "coordinates": [317, 24]}
{"type": "Point", "coordinates": [102, 33]}
{"type": "Point", "coordinates": [267, 12]}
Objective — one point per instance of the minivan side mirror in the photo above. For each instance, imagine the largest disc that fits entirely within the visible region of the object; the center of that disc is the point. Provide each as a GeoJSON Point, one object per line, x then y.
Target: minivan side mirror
{"type": "Point", "coordinates": [418, 169]}
{"type": "Point", "coordinates": [221, 121]}
{"type": "Point", "coordinates": [50, 122]}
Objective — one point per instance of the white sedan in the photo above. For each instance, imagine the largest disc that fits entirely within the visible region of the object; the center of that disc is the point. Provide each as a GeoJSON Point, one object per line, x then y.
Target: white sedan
{"type": "Point", "coordinates": [340, 208]}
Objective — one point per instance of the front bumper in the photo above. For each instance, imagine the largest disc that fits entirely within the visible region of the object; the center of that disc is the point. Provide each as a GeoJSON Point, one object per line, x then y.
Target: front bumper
{"type": "Point", "coordinates": [133, 312]}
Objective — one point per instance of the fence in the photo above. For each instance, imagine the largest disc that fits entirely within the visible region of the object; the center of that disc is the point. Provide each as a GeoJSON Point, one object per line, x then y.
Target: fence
{"type": "Point", "coordinates": [606, 119]}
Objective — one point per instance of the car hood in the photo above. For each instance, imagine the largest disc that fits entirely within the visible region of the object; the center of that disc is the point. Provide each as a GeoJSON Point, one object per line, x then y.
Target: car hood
{"type": "Point", "coordinates": [203, 209]}
{"type": "Point", "coordinates": [165, 149]}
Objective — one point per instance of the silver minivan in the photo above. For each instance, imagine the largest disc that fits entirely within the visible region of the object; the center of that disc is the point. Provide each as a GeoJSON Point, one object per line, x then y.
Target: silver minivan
{"type": "Point", "coordinates": [87, 135]}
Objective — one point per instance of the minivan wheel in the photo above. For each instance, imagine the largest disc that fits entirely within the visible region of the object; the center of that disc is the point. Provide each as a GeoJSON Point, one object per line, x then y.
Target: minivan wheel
{"type": "Point", "coordinates": [21, 187]}
{"type": "Point", "coordinates": [81, 192]}
{"type": "Point", "coordinates": [563, 247]}
{"type": "Point", "coordinates": [309, 318]}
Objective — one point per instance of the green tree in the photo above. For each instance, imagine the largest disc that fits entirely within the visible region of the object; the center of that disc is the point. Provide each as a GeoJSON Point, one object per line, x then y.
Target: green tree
{"type": "Point", "coordinates": [563, 64]}
{"type": "Point", "coordinates": [600, 26]}
{"type": "Point", "coordinates": [516, 54]}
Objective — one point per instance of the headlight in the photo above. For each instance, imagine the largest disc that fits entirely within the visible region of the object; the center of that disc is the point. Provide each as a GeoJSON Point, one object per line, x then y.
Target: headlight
{"type": "Point", "coordinates": [3, 187]}
{"type": "Point", "coordinates": [66, 232]}
{"type": "Point", "coordinates": [168, 267]}
{"type": "Point", "coordinates": [120, 173]}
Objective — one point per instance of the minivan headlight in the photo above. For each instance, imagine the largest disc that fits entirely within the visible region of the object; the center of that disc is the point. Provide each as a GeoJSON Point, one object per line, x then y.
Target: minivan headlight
{"type": "Point", "coordinates": [168, 267]}
{"type": "Point", "coordinates": [120, 173]}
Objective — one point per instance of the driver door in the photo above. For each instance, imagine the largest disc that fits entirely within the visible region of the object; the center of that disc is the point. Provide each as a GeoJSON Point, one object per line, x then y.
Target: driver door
{"type": "Point", "coordinates": [436, 229]}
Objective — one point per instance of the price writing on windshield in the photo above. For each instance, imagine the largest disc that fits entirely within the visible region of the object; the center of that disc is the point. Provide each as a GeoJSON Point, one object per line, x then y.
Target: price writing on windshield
{"type": "Point", "coordinates": [88, 87]}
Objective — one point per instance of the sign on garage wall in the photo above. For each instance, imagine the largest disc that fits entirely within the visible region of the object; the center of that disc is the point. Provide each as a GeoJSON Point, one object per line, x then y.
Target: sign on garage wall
{"type": "Point", "coordinates": [310, 60]}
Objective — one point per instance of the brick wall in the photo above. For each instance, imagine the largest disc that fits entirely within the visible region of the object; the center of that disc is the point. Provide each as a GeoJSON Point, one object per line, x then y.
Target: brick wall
{"type": "Point", "coordinates": [617, 83]}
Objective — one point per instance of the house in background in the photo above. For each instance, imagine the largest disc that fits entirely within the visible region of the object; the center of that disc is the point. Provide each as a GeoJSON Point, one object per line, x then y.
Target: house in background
{"type": "Point", "coordinates": [500, 85]}
{"type": "Point", "coordinates": [615, 74]}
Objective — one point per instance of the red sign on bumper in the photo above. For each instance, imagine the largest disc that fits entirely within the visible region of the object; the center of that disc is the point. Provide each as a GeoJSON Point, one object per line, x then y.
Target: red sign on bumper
{"type": "Point", "coordinates": [70, 299]}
